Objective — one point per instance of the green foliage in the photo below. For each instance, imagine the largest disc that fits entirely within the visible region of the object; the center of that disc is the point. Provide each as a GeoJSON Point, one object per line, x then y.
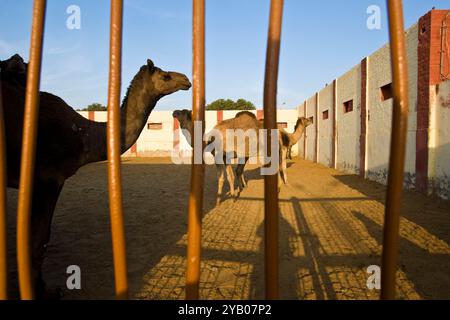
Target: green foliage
{"type": "Point", "coordinates": [94, 107]}
{"type": "Point", "coordinates": [228, 104]}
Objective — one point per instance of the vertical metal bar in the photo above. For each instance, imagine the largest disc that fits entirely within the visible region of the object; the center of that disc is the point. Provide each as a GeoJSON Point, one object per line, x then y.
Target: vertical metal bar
{"type": "Point", "coordinates": [398, 145]}
{"type": "Point", "coordinates": [270, 122]}
{"type": "Point", "coordinates": [113, 137]}
{"type": "Point", "coordinates": [3, 230]}
{"type": "Point", "coordinates": [198, 169]}
{"type": "Point", "coordinates": [30, 123]}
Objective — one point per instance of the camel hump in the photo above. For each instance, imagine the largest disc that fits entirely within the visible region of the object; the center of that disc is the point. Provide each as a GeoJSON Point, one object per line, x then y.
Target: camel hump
{"type": "Point", "coordinates": [248, 113]}
{"type": "Point", "coordinates": [14, 64]}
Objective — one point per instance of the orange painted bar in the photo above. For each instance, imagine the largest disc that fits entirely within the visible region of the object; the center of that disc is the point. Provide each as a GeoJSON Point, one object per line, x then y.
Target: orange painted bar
{"type": "Point", "coordinates": [198, 170]}
{"type": "Point", "coordinates": [398, 146]}
{"type": "Point", "coordinates": [270, 122]}
{"type": "Point", "coordinates": [113, 143]}
{"type": "Point", "coordinates": [30, 123]}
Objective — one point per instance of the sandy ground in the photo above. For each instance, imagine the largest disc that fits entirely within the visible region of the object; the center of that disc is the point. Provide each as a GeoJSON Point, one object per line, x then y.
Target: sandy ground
{"type": "Point", "coordinates": [330, 232]}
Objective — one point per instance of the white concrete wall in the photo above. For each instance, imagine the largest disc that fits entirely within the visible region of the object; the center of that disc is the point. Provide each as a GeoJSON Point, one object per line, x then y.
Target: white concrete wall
{"type": "Point", "coordinates": [439, 160]}
{"type": "Point", "coordinates": [325, 126]}
{"type": "Point", "coordinates": [348, 125]}
{"type": "Point", "coordinates": [160, 142]}
{"type": "Point", "coordinates": [299, 148]}
{"type": "Point", "coordinates": [311, 130]}
{"type": "Point", "coordinates": [380, 112]}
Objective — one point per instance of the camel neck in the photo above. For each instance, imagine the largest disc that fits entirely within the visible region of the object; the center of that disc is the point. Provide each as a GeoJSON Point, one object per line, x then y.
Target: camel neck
{"type": "Point", "coordinates": [134, 113]}
{"type": "Point", "coordinates": [296, 135]}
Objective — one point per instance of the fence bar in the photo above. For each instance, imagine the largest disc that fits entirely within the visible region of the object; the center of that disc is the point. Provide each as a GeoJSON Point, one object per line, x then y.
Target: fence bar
{"type": "Point", "coordinates": [270, 122]}
{"type": "Point", "coordinates": [198, 169]}
{"type": "Point", "coordinates": [3, 230]}
{"type": "Point", "coordinates": [398, 145]}
{"type": "Point", "coordinates": [29, 151]}
{"type": "Point", "coordinates": [114, 148]}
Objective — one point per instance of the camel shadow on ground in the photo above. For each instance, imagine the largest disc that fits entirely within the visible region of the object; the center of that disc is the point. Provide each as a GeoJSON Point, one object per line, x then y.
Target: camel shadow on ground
{"type": "Point", "coordinates": [155, 198]}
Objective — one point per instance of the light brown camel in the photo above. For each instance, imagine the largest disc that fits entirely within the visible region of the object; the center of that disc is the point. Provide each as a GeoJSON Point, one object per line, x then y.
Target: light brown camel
{"type": "Point", "coordinates": [295, 136]}
{"type": "Point", "coordinates": [67, 141]}
{"type": "Point", "coordinates": [244, 121]}
{"type": "Point", "coordinates": [287, 140]}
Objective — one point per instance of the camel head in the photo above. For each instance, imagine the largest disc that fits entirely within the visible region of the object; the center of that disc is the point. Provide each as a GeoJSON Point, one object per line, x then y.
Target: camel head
{"type": "Point", "coordinates": [184, 117]}
{"type": "Point", "coordinates": [14, 69]}
{"type": "Point", "coordinates": [302, 121]}
{"type": "Point", "coordinates": [166, 82]}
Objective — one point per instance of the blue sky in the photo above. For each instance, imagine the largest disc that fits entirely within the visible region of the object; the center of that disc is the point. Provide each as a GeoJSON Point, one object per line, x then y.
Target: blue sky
{"type": "Point", "coordinates": [321, 40]}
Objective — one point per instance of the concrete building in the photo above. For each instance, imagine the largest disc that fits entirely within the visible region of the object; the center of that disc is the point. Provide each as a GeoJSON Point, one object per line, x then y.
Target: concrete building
{"type": "Point", "coordinates": [353, 115]}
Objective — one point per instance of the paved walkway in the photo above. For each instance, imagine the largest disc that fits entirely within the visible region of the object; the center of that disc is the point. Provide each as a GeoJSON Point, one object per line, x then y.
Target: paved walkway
{"type": "Point", "coordinates": [330, 232]}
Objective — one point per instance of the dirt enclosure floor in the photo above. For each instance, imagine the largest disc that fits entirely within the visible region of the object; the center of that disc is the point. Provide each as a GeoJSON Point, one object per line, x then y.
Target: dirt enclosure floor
{"type": "Point", "coordinates": [330, 232]}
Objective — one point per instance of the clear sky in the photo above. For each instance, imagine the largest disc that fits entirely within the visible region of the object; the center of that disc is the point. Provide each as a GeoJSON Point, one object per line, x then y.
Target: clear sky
{"type": "Point", "coordinates": [321, 40]}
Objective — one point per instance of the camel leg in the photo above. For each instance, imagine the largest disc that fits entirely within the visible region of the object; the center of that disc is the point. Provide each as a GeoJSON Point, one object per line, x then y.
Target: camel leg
{"type": "Point", "coordinates": [220, 180]}
{"type": "Point", "coordinates": [45, 196]}
{"type": "Point", "coordinates": [230, 178]}
{"type": "Point", "coordinates": [283, 165]}
{"type": "Point", "coordinates": [240, 175]}
{"type": "Point", "coordinates": [289, 155]}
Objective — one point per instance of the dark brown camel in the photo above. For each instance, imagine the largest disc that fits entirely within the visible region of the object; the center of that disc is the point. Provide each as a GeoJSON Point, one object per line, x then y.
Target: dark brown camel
{"type": "Point", "coordinates": [67, 141]}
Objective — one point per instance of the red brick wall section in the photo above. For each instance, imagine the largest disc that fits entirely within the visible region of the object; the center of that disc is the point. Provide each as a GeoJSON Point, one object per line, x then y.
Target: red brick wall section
{"type": "Point", "coordinates": [219, 115]}
{"type": "Point", "coordinates": [429, 67]}
{"type": "Point", "coordinates": [363, 124]}
{"type": "Point", "coordinates": [435, 38]}
{"type": "Point", "coordinates": [260, 114]}
{"type": "Point", "coordinates": [134, 148]}
{"type": "Point", "coordinates": [176, 134]}
{"type": "Point", "coordinates": [334, 131]}
{"type": "Point", "coordinates": [91, 115]}
{"type": "Point", "coordinates": [316, 124]}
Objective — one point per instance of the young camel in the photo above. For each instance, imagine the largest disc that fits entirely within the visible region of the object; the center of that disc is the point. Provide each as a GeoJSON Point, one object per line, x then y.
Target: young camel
{"type": "Point", "coordinates": [243, 120]}
{"type": "Point", "coordinates": [67, 141]}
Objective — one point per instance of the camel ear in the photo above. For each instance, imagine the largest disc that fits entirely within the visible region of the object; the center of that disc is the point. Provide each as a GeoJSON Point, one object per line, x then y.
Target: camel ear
{"type": "Point", "coordinates": [150, 65]}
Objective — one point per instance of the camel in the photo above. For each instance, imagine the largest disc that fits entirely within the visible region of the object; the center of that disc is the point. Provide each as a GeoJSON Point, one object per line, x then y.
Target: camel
{"type": "Point", "coordinates": [287, 140]}
{"type": "Point", "coordinates": [67, 141]}
{"type": "Point", "coordinates": [243, 120]}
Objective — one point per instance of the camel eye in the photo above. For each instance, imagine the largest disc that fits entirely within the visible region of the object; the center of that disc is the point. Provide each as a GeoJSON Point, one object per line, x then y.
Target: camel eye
{"type": "Point", "coordinates": [166, 77]}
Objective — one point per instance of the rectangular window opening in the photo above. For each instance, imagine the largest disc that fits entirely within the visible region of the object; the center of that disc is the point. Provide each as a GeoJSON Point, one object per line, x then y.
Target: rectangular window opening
{"type": "Point", "coordinates": [325, 115]}
{"type": "Point", "coordinates": [154, 125]}
{"type": "Point", "coordinates": [348, 106]}
{"type": "Point", "coordinates": [386, 92]}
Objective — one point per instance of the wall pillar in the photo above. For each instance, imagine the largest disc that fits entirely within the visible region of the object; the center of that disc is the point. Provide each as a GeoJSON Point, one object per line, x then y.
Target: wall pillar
{"type": "Point", "coordinates": [363, 119]}
{"type": "Point", "coordinates": [334, 129]}
{"type": "Point", "coordinates": [316, 123]}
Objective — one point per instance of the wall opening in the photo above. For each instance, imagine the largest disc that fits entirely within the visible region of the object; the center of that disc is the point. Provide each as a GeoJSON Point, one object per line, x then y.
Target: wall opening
{"type": "Point", "coordinates": [311, 119]}
{"type": "Point", "coordinates": [325, 115]}
{"type": "Point", "coordinates": [386, 92]}
{"type": "Point", "coordinates": [348, 106]}
{"type": "Point", "coordinates": [154, 125]}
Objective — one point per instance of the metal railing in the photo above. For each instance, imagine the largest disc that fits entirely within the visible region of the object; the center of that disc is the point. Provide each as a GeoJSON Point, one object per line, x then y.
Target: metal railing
{"type": "Point", "coordinates": [398, 146]}
{"type": "Point", "coordinates": [396, 166]}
